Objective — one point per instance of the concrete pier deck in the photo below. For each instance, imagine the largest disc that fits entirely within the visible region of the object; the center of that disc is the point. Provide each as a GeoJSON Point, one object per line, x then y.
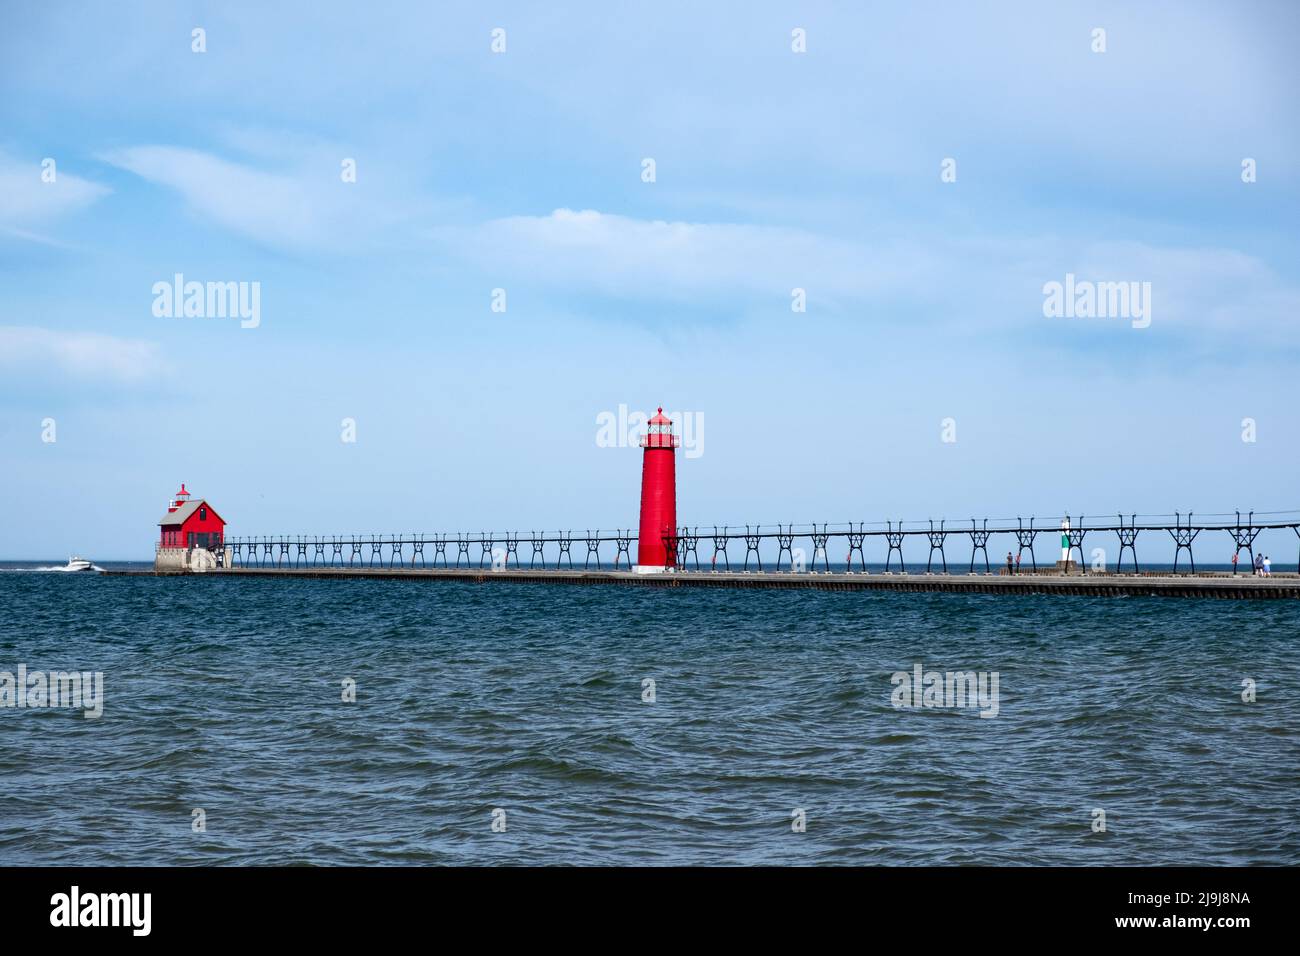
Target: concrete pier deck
{"type": "Point", "coordinates": [1205, 585]}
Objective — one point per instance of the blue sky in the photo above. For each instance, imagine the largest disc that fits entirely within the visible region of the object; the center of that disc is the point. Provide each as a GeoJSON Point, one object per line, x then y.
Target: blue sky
{"type": "Point", "coordinates": [522, 170]}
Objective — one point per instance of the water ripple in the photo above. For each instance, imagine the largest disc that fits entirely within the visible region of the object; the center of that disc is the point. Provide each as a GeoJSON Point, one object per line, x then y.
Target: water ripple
{"type": "Point", "coordinates": [528, 706]}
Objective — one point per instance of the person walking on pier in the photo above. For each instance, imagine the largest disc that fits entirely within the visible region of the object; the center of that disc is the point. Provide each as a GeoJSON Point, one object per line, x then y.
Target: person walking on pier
{"type": "Point", "coordinates": [1268, 567]}
{"type": "Point", "coordinates": [1259, 565]}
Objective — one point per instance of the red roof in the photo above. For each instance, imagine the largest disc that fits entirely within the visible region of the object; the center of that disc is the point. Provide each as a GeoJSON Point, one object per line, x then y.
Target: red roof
{"type": "Point", "coordinates": [186, 511]}
{"type": "Point", "coordinates": [661, 419]}
{"type": "Point", "coordinates": [182, 491]}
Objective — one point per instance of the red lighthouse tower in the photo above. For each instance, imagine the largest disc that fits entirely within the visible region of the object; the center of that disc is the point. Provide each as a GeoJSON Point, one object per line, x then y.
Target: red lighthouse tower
{"type": "Point", "coordinates": [658, 497]}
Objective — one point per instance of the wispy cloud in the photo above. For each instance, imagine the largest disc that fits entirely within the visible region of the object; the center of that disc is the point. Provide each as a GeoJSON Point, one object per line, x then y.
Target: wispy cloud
{"type": "Point", "coordinates": [86, 356]}
{"type": "Point", "coordinates": [271, 208]}
{"type": "Point", "coordinates": [1214, 295]}
{"type": "Point", "coordinates": [630, 258]}
{"type": "Point", "coordinates": [302, 205]}
{"type": "Point", "coordinates": [28, 202]}
{"type": "Point", "coordinates": [977, 282]}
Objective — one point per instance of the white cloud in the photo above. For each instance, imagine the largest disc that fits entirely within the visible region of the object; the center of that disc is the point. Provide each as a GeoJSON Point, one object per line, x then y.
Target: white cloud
{"type": "Point", "coordinates": [88, 356]}
{"type": "Point", "coordinates": [630, 258]}
{"type": "Point", "coordinates": [971, 284]}
{"type": "Point", "coordinates": [1212, 290]}
{"type": "Point", "coordinates": [28, 201]}
{"type": "Point", "coordinates": [271, 208]}
{"type": "Point", "coordinates": [303, 206]}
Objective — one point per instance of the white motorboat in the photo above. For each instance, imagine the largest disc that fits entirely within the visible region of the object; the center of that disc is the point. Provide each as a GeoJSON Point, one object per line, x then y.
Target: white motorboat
{"type": "Point", "coordinates": [77, 564]}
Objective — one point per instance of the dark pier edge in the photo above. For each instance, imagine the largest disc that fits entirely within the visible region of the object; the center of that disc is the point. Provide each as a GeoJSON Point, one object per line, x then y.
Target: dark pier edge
{"type": "Point", "coordinates": [1093, 585]}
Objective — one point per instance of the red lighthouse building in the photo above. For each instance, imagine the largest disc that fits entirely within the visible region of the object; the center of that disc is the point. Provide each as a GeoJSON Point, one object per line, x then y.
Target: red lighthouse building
{"type": "Point", "coordinates": [191, 523]}
{"type": "Point", "coordinates": [658, 498]}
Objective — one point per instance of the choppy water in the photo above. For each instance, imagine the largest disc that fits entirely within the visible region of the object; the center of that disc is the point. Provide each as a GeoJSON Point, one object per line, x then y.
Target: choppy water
{"type": "Point", "coordinates": [225, 695]}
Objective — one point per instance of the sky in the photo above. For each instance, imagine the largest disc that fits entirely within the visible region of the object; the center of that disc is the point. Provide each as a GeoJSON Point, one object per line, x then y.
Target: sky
{"type": "Point", "coordinates": [920, 171]}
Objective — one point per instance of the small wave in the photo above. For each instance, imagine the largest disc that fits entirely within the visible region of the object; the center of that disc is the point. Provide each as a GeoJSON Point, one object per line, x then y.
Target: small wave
{"type": "Point", "coordinates": [894, 739]}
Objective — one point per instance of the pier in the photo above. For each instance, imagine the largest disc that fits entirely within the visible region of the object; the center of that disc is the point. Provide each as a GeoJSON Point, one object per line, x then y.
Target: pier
{"type": "Point", "coordinates": [1152, 584]}
{"type": "Point", "coordinates": [769, 556]}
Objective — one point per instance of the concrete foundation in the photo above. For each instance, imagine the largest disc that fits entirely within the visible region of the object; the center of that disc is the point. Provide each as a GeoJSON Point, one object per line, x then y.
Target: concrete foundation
{"type": "Point", "coordinates": [186, 560]}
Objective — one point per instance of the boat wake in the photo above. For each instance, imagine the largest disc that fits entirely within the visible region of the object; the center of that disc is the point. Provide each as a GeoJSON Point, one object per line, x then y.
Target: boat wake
{"type": "Point", "coordinates": [54, 568]}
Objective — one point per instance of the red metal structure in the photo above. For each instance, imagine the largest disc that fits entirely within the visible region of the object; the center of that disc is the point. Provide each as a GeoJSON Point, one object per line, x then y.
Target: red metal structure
{"type": "Point", "coordinates": [658, 496]}
{"type": "Point", "coordinates": [191, 523]}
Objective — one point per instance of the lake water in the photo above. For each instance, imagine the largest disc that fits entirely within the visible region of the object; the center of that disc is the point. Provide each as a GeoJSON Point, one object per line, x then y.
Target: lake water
{"type": "Point", "coordinates": [528, 706]}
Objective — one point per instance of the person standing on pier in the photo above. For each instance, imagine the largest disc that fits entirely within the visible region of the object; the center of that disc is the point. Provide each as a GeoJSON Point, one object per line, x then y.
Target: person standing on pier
{"type": "Point", "coordinates": [1011, 568]}
{"type": "Point", "coordinates": [1268, 567]}
{"type": "Point", "coordinates": [1234, 564]}
{"type": "Point", "coordinates": [1259, 565]}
